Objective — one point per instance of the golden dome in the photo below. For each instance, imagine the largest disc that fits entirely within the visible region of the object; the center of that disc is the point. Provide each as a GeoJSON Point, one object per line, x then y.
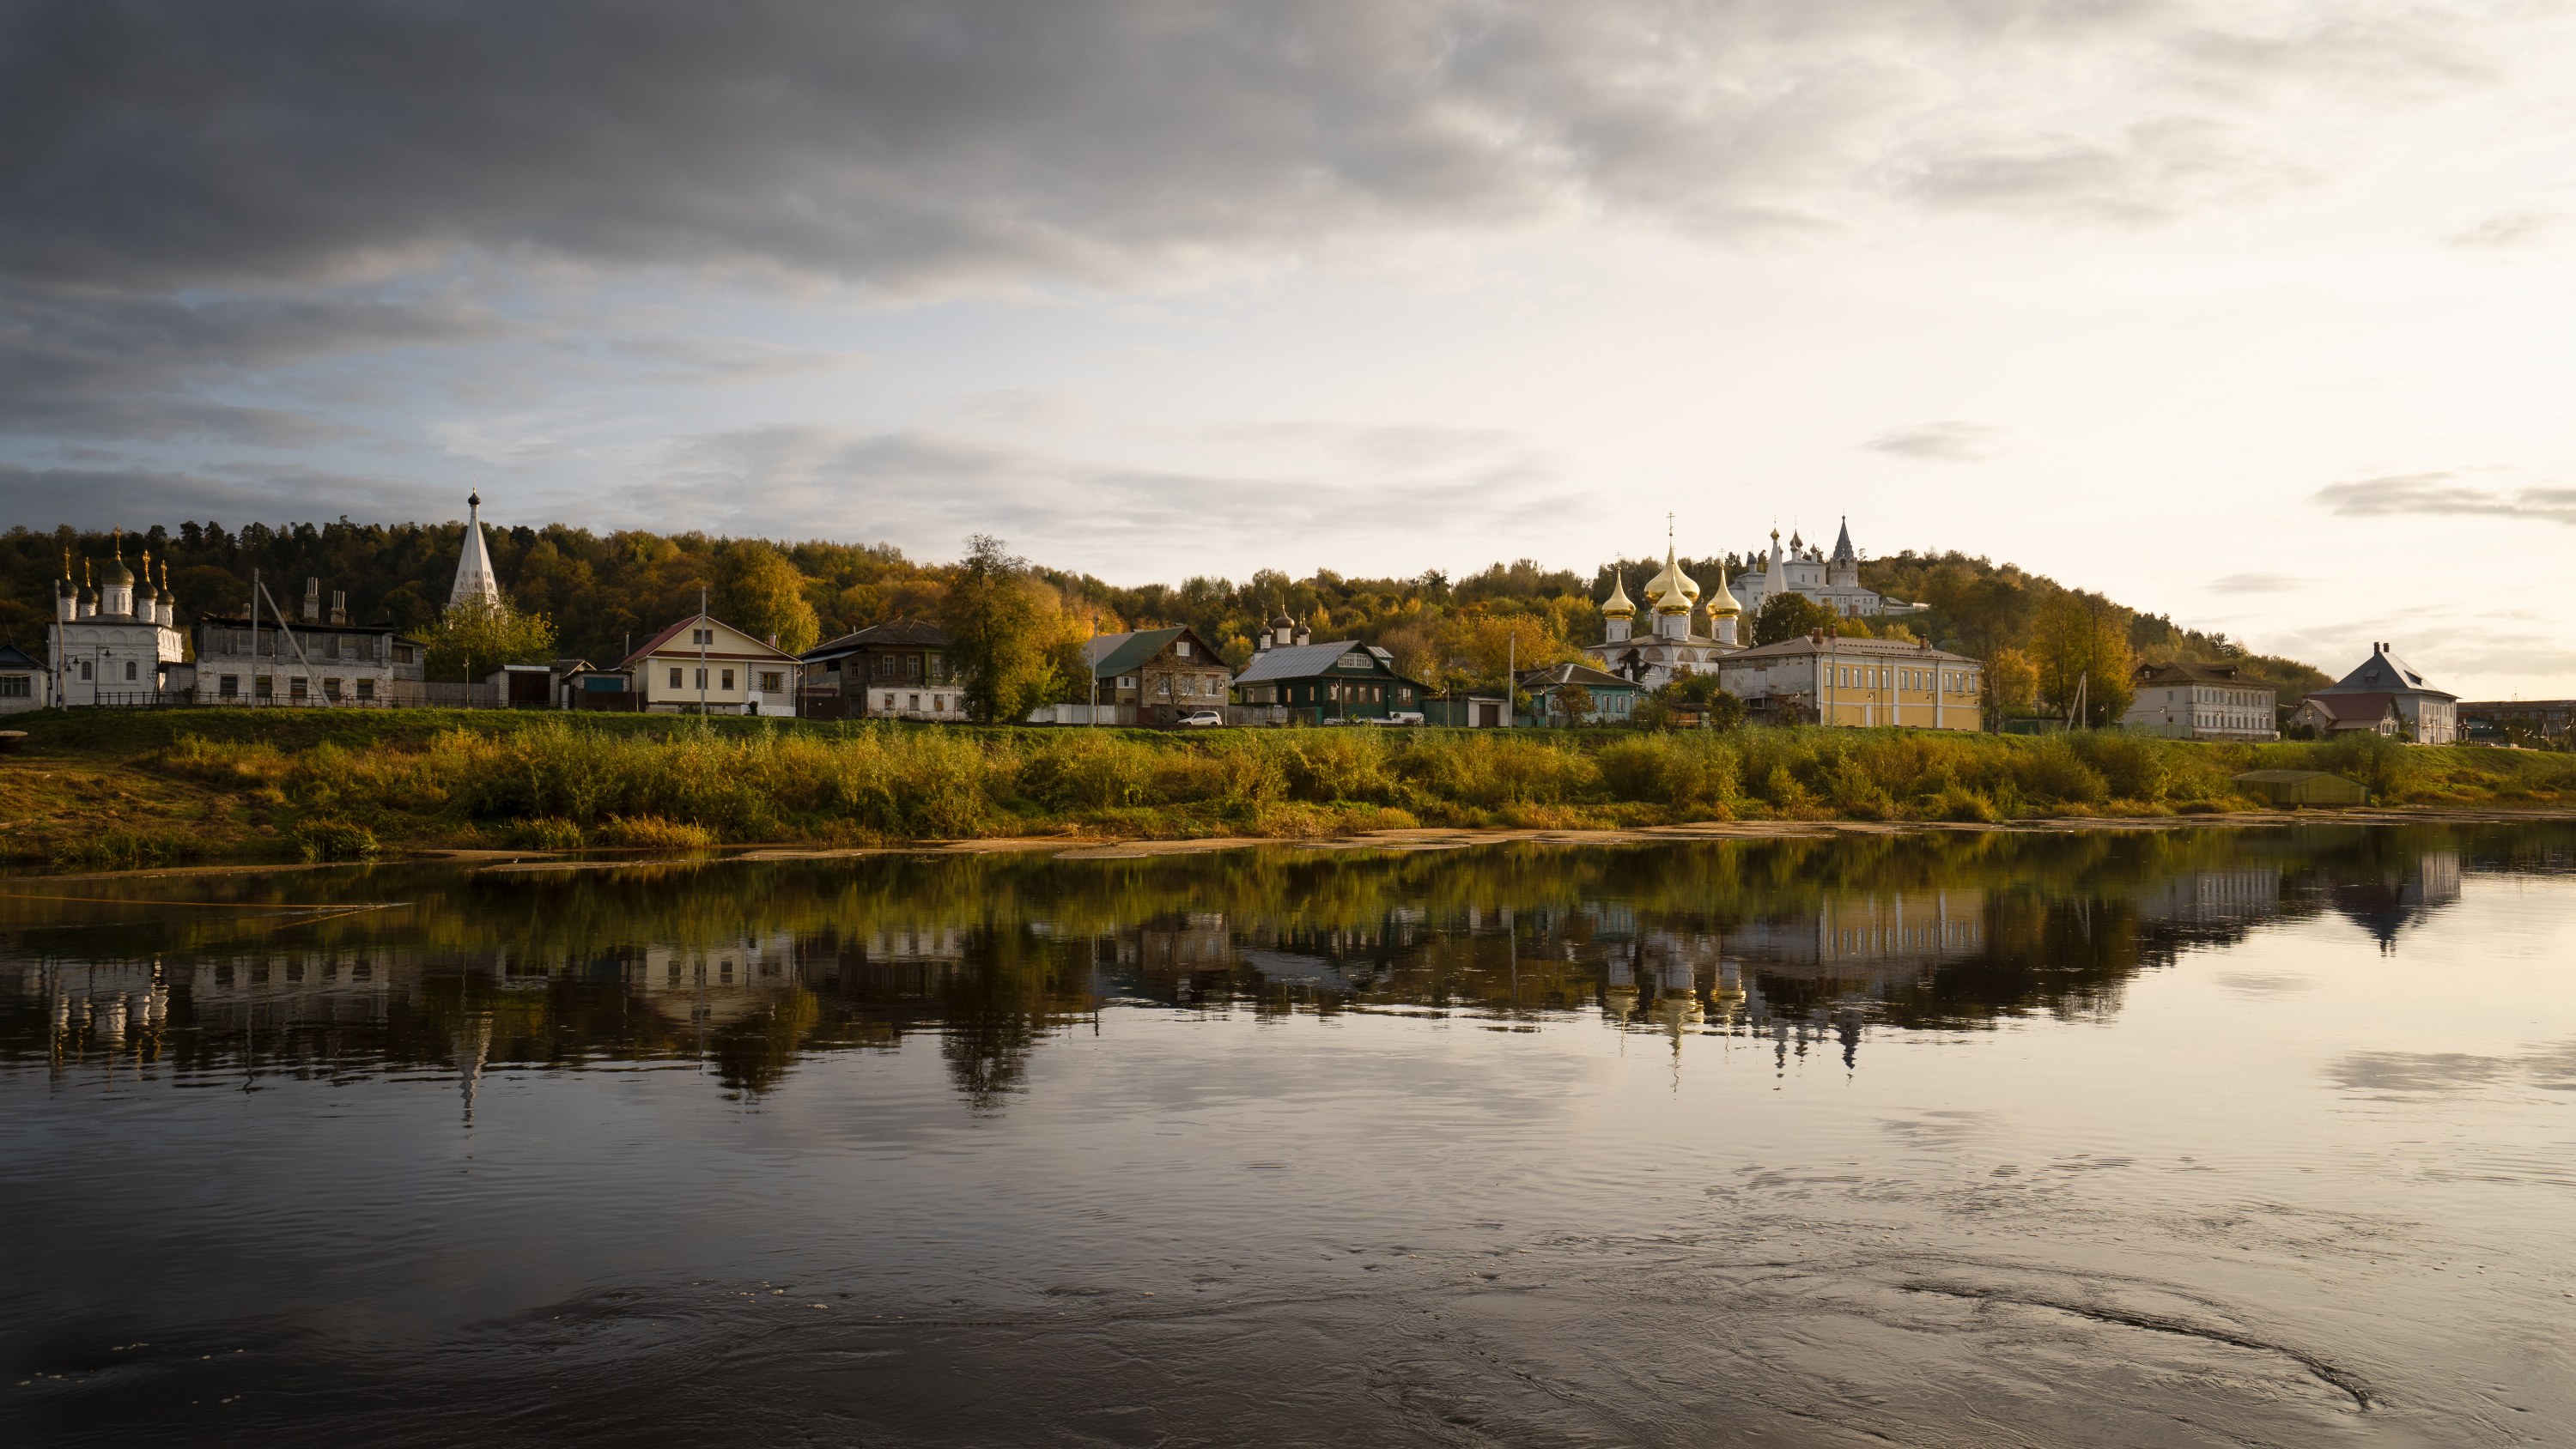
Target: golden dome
{"type": "Point", "coordinates": [1617, 605]}
{"type": "Point", "coordinates": [1671, 591]}
{"type": "Point", "coordinates": [1721, 602]}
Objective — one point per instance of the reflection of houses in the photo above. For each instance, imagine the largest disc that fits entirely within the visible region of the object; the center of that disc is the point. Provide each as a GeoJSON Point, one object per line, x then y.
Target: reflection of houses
{"type": "Point", "coordinates": [714, 982]}
{"type": "Point", "coordinates": [2388, 905]}
{"type": "Point", "coordinates": [1878, 938]}
{"type": "Point", "coordinates": [2212, 896]}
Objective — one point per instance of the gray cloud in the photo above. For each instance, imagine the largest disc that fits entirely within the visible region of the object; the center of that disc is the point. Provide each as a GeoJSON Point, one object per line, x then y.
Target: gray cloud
{"type": "Point", "coordinates": [2513, 229]}
{"type": "Point", "coordinates": [135, 497]}
{"type": "Point", "coordinates": [1941, 442]}
{"type": "Point", "coordinates": [2442, 494]}
{"type": "Point", "coordinates": [82, 364]}
{"type": "Point", "coordinates": [2256, 583]}
{"type": "Point", "coordinates": [926, 490]}
{"type": "Point", "coordinates": [159, 144]}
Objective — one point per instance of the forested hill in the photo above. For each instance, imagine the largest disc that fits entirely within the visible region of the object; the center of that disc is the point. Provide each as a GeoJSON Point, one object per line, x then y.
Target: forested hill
{"type": "Point", "coordinates": [605, 590]}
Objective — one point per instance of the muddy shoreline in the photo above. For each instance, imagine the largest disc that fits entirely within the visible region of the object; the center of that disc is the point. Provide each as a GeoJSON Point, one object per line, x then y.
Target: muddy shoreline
{"type": "Point", "coordinates": [1429, 838]}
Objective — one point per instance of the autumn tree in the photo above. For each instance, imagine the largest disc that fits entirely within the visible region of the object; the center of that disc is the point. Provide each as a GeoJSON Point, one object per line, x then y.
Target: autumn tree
{"type": "Point", "coordinates": [2012, 681]}
{"type": "Point", "coordinates": [2082, 640]}
{"type": "Point", "coordinates": [1573, 701]}
{"type": "Point", "coordinates": [473, 635]}
{"type": "Point", "coordinates": [998, 643]}
{"type": "Point", "coordinates": [1787, 616]}
{"type": "Point", "coordinates": [758, 591]}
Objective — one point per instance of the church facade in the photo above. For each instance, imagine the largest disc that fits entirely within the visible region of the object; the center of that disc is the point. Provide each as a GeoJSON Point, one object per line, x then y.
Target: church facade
{"type": "Point", "coordinates": [1831, 580]}
{"type": "Point", "coordinates": [118, 643]}
{"type": "Point", "coordinates": [1673, 645]}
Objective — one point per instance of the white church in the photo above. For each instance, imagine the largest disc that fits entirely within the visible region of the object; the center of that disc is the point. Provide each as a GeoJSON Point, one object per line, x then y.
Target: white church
{"type": "Point", "coordinates": [1676, 643]}
{"type": "Point", "coordinates": [119, 643]}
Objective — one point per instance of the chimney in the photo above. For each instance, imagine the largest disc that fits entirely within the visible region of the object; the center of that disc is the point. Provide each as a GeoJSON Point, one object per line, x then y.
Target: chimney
{"type": "Point", "coordinates": [339, 606]}
{"type": "Point", "coordinates": [312, 601]}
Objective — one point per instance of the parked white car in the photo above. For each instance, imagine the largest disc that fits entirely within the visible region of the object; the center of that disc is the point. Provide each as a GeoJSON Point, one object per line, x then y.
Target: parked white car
{"type": "Point", "coordinates": [1201, 719]}
{"type": "Point", "coordinates": [1402, 717]}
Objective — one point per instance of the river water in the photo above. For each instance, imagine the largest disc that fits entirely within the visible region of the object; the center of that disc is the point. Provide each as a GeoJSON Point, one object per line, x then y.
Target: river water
{"type": "Point", "coordinates": [2203, 1137]}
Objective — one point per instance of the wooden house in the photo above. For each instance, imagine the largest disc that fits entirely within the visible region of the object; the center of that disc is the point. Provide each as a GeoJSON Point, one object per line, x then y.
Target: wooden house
{"type": "Point", "coordinates": [895, 670]}
{"type": "Point", "coordinates": [703, 665]}
{"type": "Point", "coordinates": [1156, 676]}
{"type": "Point", "coordinates": [1317, 682]}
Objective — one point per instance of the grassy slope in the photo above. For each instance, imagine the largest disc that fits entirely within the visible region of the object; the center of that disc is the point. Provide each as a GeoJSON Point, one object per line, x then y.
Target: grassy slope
{"type": "Point", "coordinates": [143, 786]}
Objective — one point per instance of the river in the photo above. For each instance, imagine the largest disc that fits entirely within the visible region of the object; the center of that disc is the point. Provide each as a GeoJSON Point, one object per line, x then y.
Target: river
{"type": "Point", "coordinates": [2191, 1137]}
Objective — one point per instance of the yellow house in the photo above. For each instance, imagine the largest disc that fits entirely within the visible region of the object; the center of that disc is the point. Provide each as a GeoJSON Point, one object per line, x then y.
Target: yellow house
{"type": "Point", "coordinates": [1822, 679]}
{"type": "Point", "coordinates": [703, 665]}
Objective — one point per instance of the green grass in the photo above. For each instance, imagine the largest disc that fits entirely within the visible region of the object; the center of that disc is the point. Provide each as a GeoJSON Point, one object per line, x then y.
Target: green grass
{"type": "Point", "coordinates": [553, 781]}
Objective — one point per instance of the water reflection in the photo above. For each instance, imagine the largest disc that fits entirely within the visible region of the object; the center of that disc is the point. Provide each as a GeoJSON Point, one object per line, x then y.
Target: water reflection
{"type": "Point", "coordinates": [745, 969]}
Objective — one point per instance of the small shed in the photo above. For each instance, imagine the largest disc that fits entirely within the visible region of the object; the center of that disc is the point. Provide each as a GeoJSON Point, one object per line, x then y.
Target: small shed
{"type": "Point", "coordinates": [2301, 787]}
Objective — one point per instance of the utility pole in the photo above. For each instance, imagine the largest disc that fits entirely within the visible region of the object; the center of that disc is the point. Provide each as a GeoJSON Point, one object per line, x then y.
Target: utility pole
{"type": "Point", "coordinates": [702, 631]}
{"type": "Point", "coordinates": [255, 592]}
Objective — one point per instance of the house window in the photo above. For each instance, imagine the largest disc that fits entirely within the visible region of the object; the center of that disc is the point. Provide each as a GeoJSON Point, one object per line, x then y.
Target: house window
{"type": "Point", "coordinates": [263, 687]}
{"type": "Point", "coordinates": [768, 683]}
{"type": "Point", "coordinates": [913, 701]}
{"type": "Point", "coordinates": [331, 689]}
{"type": "Point", "coordinates": [331, 646]}
{"type": "Point", "coordinates": [702, 636]}
{"type": "Point", "coordinates": [85, 671]}
{"type": "Point", "coordinates": [728, 681]}
{"type": "Point", "coordinates": [297, 688]}
{"type": "Point", "coordinates": [402, 654]}
{"type": "Point", "coordinates": [16, 686]}
{"type": "Point", "coordinates": [1182, 648]}
{"type": "Point", "coordinates": [228, 686]}
{"type": "Point", "coordinates": [889, 701]}
{"type": "Point", "coordinates": [675, 678]}
{"type": "Point", "coordinates": [702, 679]}
{"type": "Point", "coordinates": [939, 704]}
{"type": "Point", "coordinates": [366, 689]}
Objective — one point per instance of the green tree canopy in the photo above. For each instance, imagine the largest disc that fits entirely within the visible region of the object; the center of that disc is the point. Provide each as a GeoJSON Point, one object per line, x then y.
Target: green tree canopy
{"type": "Point", "coordinates": [473, 638]}
{"type": "Point", "coordinates": [994, 614]}
{"type": "Point", "coordinates": [759, 592]}
{"type": "Point", "coordinates": [1786, 616]}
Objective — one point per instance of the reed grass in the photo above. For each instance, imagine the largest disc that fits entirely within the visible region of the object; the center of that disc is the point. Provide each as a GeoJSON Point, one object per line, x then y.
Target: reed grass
{"type": "Point", "coordinates": [563, 783]}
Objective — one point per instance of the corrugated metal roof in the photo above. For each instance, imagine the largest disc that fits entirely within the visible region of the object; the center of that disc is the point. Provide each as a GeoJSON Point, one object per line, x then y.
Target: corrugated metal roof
{"type": "Point", "coordinates": [2384, 671]}
{"type": "Point", "coordinates": [1114, 654]}
{"type": "Point", "coordinates": [906, 631]}
{"type": "Point", "coordinates": [1298, 661]}
{"type": "Point", "coordinates": [1585, 675]}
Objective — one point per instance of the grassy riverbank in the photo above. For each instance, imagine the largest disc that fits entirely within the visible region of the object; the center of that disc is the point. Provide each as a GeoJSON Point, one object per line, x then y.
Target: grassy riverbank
{"type": "Point", "coordinates": [114, 788]}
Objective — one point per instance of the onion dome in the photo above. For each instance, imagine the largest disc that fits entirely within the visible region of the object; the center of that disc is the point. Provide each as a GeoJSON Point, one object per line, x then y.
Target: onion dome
{"type": "Point", "coordinates": [118, 574]}
{"type": "Point", "coordinates": [1721, 600]}
{"type": "Point", "coordinates": [1283, 621]}
{"type": "Point", "coordinates": [1617, 605]}
{"type": "Point", "coordinates": [1671, 591]}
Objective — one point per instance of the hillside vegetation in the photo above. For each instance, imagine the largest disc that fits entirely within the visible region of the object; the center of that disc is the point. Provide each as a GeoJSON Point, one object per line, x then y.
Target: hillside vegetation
{"type": "Point", "coordinates": [606, 592]}
{"type": "Point", "coordinates": [138, 787]}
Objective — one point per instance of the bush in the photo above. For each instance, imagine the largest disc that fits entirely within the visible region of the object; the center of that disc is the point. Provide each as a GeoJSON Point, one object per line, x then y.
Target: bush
{"type": "Point", "coordinates": [547, 832]}
{"type": "Point", "coordinates": [651, 832]}
{"type": "Point", "coordinates": [121, 850]}
{"type": "Point", "coordinates": [326, 838]}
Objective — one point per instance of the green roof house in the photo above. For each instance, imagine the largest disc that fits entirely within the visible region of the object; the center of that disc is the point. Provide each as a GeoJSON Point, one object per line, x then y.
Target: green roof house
{"type": "Point", "coordinates": [1310, 683]}
{"type": "Point", "coordinates": [1155, 676]}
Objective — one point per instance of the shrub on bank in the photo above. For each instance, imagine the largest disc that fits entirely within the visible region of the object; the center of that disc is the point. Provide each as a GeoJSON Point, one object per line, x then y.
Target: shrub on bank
{"type": "Point", "coordinates": [560, 782]}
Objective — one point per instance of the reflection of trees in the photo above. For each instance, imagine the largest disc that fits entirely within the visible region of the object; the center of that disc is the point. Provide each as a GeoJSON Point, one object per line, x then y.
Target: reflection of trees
{"type": "Point", "coordinates": [990, 953]}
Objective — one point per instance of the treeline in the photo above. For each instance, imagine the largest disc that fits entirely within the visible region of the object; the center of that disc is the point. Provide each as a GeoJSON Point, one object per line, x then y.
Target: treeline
{"type": "Point", "coordinates": [608, 592]}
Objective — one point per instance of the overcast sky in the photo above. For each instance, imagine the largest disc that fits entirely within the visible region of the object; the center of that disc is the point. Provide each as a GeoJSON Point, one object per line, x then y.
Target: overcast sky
{"type": "Point", "coordinates": [2257, 314]}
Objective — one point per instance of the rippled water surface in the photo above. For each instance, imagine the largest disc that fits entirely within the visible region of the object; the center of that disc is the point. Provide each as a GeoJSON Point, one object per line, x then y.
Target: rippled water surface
{"type": "Point", "coordinates": [2202, 1137]}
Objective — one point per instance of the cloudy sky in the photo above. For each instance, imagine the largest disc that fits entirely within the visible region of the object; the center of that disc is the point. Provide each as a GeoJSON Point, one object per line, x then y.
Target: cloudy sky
{"type": "Point", "coordinates": [2258, 314]}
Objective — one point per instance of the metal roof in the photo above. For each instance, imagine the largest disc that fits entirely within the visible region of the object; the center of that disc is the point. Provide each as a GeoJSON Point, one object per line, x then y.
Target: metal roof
{"type": "Point", "coordinates": [1305, 661]}
{"type": "Point", "coordinates": [1583, 674]}
{"type": "Point", "coordinates": [901, 632]}
{"type": "Point", "coordinates": [2384, 671]}
{"type": "Point", "coordinates": [1113, 654]}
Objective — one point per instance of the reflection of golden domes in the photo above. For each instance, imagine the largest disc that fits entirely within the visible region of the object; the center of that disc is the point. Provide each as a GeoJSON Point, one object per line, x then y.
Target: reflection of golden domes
{"type": "Point", "coordinates": [1617, 605]}
{"type": "Point", "coordinates": [1671, 591]}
